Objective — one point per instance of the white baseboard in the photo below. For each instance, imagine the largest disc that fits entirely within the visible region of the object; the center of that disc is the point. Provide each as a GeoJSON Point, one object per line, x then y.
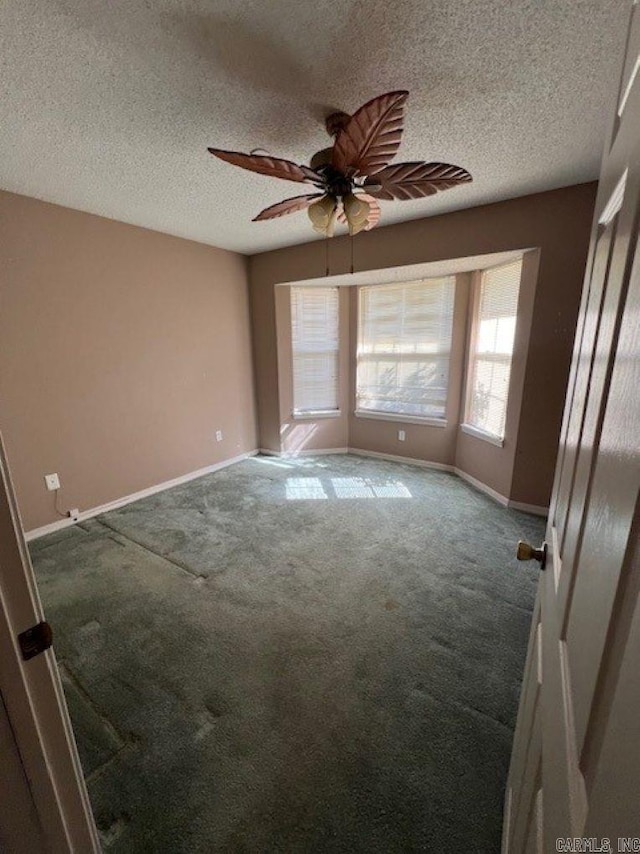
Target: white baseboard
{"type": "Point", "coordinates": [536, 509]}
{"type": "Point", "coordinates": [492, 493]}
{"type": "Point", "coordinates": [482, 487]}
{"type": "Point", "coordinates": [135, 496]}
{"type": "Point", "coordinates": [394, 458]}
{"type": "Point", "coordinates": [478, 484]}
{"type": "Point", "coordinates": [311, 452]}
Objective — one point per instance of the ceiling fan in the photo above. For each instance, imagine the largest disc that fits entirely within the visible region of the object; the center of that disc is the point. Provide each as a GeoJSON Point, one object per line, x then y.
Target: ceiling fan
{"type": "Point", "coordinates": [351, 175]}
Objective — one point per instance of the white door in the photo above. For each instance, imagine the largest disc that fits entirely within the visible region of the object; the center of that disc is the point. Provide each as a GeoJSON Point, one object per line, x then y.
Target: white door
{"type": "Point", "coordinates": [49, 808]}
{"type": "Point", "coordinates": [20, 828]}
{"type": "Point", "coordinates": [575, 767]}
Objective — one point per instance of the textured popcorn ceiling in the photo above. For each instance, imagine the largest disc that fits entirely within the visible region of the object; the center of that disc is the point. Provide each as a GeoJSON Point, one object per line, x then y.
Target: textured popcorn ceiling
{"type": "Point", "coordinates": [108, 107]}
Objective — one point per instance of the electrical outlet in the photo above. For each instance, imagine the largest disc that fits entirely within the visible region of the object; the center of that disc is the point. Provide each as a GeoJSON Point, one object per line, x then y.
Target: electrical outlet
{"type": "Point", "coordinates": [218, 435]}
{"type": "Point", "coordinates": [74, 514]}
{"type": "Point", "coordinates": [52, 481]}
{"type": "Point", "coordinates": [401, 435]}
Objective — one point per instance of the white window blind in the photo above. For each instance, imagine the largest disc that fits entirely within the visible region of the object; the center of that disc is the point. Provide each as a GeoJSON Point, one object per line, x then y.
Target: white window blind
{"type": "Point", "coordinates": [404, 344]}
{"type": "Point", "coordinates": [314, 332]}
{"type": "Point", "coordinates": [492, 348]}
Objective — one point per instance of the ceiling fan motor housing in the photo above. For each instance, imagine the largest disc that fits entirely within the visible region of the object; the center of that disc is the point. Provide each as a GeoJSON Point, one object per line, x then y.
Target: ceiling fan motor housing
{"type": "Point", "coordinates": [338, 185]}
{"type": "Point", "coordinates": [335, 122]}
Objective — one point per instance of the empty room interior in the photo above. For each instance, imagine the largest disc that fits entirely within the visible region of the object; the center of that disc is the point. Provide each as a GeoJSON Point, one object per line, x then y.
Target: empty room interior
{"type": "Point", "coordinates": [293, 471]}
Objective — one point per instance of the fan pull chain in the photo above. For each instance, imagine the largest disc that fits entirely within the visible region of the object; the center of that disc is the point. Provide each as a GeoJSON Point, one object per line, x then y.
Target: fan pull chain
{"type": "Point", "coordinates": [351, 241]}
{"type": "Point", "coordinates": [326, 256]}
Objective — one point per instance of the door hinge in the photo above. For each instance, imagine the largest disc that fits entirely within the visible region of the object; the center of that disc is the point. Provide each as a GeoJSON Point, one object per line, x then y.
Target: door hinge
{"type": "Point", "coordinates": [35, 640]}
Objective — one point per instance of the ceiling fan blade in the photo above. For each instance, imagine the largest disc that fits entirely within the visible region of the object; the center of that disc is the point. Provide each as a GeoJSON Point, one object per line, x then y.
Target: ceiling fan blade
{"type": "Point", "coordinates": [404, 181]}
{"type": "Point", "coordinates": [297, 203]}
{"type": "Point", "coordinates": [371, 137]}
{"type": "Point", "coordinates": [267, 165]}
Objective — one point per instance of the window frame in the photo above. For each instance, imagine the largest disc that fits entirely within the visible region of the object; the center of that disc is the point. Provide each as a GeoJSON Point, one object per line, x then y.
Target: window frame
{"type": "Point", "coordinates": [315, 414]}
{"type": "Point", "coordinates": [405, 418]}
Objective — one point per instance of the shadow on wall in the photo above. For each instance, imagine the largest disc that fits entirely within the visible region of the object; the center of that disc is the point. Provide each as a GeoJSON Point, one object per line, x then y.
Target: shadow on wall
{"type": "Point", "coordinates": [295, 437]}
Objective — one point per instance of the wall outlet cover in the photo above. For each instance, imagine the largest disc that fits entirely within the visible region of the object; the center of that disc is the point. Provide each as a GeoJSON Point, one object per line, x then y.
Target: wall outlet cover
{"type": "Point", "coordinates": [52, 481]}
{"type": "Point", "coordinates": [401, 435]}
{"type": "Point", "coordinates": [74, 514]}
{"type": "Point", "coordinates": [218, 435]}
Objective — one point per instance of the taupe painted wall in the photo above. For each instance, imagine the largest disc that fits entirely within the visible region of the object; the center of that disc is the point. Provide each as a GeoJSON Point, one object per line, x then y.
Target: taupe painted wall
{"type": "Point", "coordinates": [122, 351]}
{"type": "Point", "coordinates": [558, 224]}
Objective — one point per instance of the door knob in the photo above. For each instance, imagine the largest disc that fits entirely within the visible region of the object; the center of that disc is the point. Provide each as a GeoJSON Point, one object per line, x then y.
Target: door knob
{"type": "Point", "coordinates": [525, 551]}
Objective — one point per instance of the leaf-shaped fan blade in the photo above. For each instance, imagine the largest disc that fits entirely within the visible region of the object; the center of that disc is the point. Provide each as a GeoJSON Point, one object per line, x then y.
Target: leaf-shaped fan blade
{"type": "Point", "coordinates": [297, 203]}
{"type": "Point", "coordinates": [265, 165]}
{"type": "Point", "coordinates": [371, 137]}
{"type": "Point", "coordinates": [415, 180]}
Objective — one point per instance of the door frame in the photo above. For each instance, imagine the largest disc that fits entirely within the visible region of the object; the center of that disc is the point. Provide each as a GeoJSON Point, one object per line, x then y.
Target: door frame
{"type": "Point", "coordinates": [33, 696]}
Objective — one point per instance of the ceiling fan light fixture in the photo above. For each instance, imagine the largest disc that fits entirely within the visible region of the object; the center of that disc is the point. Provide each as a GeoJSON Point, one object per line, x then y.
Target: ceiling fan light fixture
{"type": "Point", "coordinates": [356, 212]}
{"type": "Point", "coordinates": [323, 214]}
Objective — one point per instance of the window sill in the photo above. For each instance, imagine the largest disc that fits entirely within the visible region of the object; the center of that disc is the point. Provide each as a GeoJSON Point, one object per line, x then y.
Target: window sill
{"type": "Point", "coordinates": [316, 416]}
{"type": "Point", "coordinates": [402, 419]}
{"type": "Point", "coordinates": [470, 430]}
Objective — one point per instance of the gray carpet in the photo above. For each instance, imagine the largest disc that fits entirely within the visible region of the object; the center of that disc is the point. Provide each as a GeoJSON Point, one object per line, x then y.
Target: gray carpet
{"type": "Point", "coordinates": [311, 656]}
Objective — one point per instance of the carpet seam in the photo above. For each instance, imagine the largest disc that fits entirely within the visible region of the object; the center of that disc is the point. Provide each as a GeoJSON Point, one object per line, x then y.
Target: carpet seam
{"type": "Point", "coordinates": [146, 548]}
